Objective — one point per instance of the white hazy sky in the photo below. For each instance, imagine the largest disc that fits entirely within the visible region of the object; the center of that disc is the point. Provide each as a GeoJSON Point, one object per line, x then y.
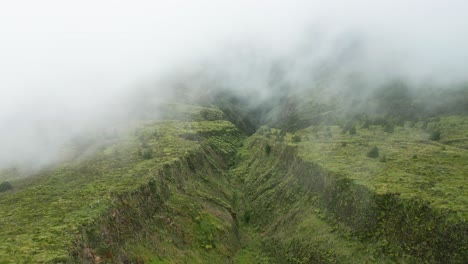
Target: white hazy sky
{"type": "Point", "coordinates": [63, 62]}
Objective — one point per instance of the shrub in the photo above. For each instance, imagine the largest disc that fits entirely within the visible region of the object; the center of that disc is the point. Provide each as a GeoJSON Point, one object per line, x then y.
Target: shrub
{"type": "Point", "coordinates": [296, 138]}
{"type": "Point", "coordinates": [389, 128]}
{"type": "Point", "coordinates": [267, 149]}
{"type": "Point", "coordinates": [247, 217]}
{"type": "Point", "coordinates": [5, 186]}
{"type": "Point", "coordinates": [435, 135]}
{"type": "Point", "coordinates": [147, 153]}
{"type": "Point", "coordinates": [352, 130]}
{"type": "Point", "coordinates": [373, 153]}
{"type": "Point", "coordinates": [383, 158]}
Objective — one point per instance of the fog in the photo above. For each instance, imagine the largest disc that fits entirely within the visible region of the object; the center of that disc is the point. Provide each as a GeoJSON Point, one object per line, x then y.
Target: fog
{"type": "Point", "coordinates": [71, 67]}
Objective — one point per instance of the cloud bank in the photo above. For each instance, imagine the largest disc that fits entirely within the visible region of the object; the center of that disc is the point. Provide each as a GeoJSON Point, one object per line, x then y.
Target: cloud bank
{"type": "Point", "coordinates": [67, 67]}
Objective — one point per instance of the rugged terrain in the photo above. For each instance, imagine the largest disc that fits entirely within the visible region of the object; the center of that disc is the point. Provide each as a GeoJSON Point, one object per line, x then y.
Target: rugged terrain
{"type": "Point", "coordinates": [207, 183]}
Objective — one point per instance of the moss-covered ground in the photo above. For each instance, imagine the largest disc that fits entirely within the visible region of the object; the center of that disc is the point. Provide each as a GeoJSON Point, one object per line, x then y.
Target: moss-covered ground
{"type": "Point", "coordinates": [42, 216]}
{"type": "Point", "coordinates": [408, 163]}
{"type": "Point", "coordinates": [318, 195]}
{"type": "Point", "coordinates": [190, 189]}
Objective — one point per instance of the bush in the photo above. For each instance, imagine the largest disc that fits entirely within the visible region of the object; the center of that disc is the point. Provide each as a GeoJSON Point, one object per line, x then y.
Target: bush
{"type": "Point", "coordinates": [147, 153]}
{"type": "Point", "coordinates": [435, 135]}
{"type": "Point", "coordinates": [247, 217]}
{"type": "Point", "coordinates": [267, 149]}
{"type": "Point", "coordinates": [352, 130]}
{"type": "Point", "coordinates": [5, 186]}
{"type": "Point", "coordinates": [373, 153]}
{"type": "Point", "coordinates": [296, 138]}
{"type": "Point", "coordinates": [383, 158]}
{"type": "Point", "coordinates": [389, 128]}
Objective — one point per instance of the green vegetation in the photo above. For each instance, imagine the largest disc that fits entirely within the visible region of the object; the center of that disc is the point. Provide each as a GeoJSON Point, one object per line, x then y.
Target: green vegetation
{"type": "Point", "coordinates": [435, 175]}
{"type": "Point", "coordinates": [320, 188]}
{"type": "Point", "coordinates": [285, 211]}
{"type": "Point", "coordinates": [92, 207]}
{"type": "Point", "coordinates": [373, 153]}
{"type": "Point", "coordinates": [435, 135]}
{"type": "Point", "coordinates": [386, 209]}
{"type": "Point", "coordinates": [5, 186]}
{"type": "Point", "coordinates": [267, 149]}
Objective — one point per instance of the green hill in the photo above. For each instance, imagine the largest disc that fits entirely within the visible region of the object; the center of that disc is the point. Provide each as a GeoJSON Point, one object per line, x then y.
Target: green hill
{"type": "Point", "coordinates": [324, 186]}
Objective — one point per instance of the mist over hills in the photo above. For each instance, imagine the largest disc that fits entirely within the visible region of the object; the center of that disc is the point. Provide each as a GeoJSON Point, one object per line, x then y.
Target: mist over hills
{"type": "Point", "coordinates": [68, 69]}
{"type": "Point", "coordinates": [233, 132]}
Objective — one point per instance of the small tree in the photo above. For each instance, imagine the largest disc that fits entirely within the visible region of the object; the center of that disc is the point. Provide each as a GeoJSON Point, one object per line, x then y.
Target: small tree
{"type": "Point", "coordinates": [373, 153]}
{"type": "Point", "coordinates": [435, 135]}
{"type": "Point", "coordinates": [267, 149]}
{"type": "Point", "coordinates": [389, 128]}
{"type": "Point", "coordinates": [296, 138]}
{"type": "Point", "coordinates": [5, 186]}
{"type": "Point", "coordinates": [147, 153]}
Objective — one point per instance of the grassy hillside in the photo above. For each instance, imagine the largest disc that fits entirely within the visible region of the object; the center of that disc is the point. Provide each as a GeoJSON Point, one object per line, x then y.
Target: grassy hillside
{"type": "Point", "coordinates": [47, 216]}
{"type": "Point", "coordinates": [318, 196]}
{"type": "Point", "coordinates": [283, 209]}
{"type": "Point", "coordinates": [190, 188]}
{"type": "Point", "coordinates": [408, 162]}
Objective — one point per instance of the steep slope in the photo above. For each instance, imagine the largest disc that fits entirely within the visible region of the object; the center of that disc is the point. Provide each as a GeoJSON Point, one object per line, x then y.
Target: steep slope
{"type": "Point", "coordinates": [166, 174]}
{"type": "Point", "coordinates": [191, 189]}
{"type": "Point", "coordinates": [316, 197]}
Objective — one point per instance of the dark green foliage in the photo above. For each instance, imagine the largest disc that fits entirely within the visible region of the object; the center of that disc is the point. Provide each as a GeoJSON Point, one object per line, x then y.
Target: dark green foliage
{"type": "Point", "coordinates": [247, 216]}
{"type": "Point", "coordinates": [389, 128]}
{"type": "Point", "coordinates": [5, 186]}
{"type": "Point", "coordinates": [147, 153]}
{"type": "Point", "coordinates": [373, 153]}
{"type": "Point", "coordinates": [352, 130]}
{"type": "Point", "coordinates": [435, 135]}
{"type": "Point", "coordinates": [344, 144]}
{"type": "Point", "coordinates": [296, 138]}
{"type": "Point", "coordinates": [267, 149]}
{"type": "Point", "coordinates": [210, 115]}
{"type": "Point", "coordinates": [383, 158]}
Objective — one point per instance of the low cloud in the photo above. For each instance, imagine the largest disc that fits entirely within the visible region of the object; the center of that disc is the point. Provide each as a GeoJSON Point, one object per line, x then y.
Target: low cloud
{"type": "Point", "coordinates": [70, 67]}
